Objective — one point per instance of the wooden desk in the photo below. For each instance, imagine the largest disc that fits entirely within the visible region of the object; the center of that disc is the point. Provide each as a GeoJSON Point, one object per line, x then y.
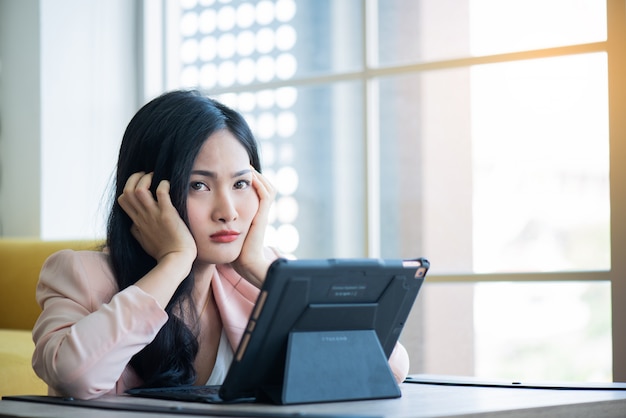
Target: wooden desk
{"type": "Point", "coordinates": [418, 400]}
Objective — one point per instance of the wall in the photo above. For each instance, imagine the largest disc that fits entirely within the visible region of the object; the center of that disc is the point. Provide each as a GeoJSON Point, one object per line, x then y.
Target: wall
{"type": "Point", "coordinates": [20, 116]}
{"type": "Point", "coordinates": [68, 87]}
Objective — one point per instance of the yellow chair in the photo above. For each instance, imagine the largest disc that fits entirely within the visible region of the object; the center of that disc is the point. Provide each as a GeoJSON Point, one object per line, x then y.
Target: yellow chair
{"type": "Point", "coordinates": [20, 263]}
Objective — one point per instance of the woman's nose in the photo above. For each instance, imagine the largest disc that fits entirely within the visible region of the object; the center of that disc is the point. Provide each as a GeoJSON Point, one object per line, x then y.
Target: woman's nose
{"type": "Point", "coordinates": [224, 210]}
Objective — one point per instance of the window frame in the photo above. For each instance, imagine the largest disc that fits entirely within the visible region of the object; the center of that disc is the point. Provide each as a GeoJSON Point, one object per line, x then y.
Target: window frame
{"type": "Point", "coordinates": [616, 47]}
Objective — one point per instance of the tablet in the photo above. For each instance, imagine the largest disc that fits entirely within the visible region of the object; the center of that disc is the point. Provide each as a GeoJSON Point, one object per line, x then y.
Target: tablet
{"type": "Point", "coordinates": [321, 330]}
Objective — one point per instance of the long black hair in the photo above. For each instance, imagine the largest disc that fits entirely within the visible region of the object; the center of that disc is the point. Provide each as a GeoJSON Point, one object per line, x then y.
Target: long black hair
{"type": "Point", "coordinates": [164, 137]}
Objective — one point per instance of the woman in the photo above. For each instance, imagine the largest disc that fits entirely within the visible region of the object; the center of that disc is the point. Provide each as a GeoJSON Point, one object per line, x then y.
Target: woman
{"type": "Point", "coordinates": [168, 299]}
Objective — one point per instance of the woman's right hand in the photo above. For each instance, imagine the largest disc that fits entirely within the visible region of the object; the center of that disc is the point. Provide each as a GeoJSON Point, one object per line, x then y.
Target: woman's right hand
{"type": "Point", "coordinates": [162, 233]}
{"type": "Point", "coordinates": [157, 226]}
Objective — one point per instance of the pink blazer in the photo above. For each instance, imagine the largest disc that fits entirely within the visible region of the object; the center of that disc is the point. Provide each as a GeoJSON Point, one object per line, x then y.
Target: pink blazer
{"type": "Point", "coordinates": [89, 330]}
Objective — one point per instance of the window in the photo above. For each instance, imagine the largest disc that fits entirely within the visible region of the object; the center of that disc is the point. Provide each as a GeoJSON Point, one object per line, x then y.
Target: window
{"type": "Point", "coordinates": [475, 133]}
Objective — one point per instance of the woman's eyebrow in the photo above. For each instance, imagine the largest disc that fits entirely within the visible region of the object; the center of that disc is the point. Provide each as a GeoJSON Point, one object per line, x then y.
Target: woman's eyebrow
{"type": "Point", "coordinates": [242, 172]}
{"type": "Point", "coordinates": [211, 174]}
{"type": "Point", "coordinates": [203, 173]}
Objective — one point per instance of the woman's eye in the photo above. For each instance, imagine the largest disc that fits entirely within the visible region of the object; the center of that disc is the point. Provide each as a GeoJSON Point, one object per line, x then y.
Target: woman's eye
{"type": "Point", "coordinates": [242, 184]}
{"type": "Point", "coordinates": [198, 185]}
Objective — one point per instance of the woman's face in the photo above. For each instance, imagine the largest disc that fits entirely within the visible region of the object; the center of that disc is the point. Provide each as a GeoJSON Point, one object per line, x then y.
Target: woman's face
{"type": "Point", "coordinates": [221, 202]}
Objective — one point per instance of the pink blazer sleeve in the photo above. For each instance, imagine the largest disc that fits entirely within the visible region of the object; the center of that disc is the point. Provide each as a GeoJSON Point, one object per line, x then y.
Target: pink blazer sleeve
{"type": "Point", "coordinates": [88, 331]}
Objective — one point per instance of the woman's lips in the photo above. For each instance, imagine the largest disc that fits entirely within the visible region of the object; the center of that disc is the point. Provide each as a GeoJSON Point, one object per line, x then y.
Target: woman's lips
{"type": "Point", "coordinates": [225, 236]}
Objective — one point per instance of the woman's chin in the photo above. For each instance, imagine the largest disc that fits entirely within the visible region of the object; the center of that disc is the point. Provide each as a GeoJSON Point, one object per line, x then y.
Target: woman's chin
{"type": "Point", "coordinates": [219, 256]}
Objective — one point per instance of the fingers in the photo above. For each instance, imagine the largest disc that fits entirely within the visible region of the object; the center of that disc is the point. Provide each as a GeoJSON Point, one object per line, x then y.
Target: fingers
{"type": "Point", "coordinates": [136, 197]}
{"type": "Point", "coordinates": [265, 190]}
{"type": "Point", "coordinates": [139, 188]}
{"type": "Point", "coordinates": [163, 194]}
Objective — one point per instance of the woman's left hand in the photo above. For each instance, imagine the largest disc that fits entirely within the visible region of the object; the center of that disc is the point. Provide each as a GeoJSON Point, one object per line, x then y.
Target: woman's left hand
{"type": "Point", "coordinates": [252, 263]}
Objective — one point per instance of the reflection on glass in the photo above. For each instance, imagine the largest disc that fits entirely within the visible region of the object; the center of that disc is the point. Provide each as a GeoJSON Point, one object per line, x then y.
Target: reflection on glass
{"type": "Point", "coordinates": [498, 168]}
{"type": "Point", "coordinates": [319, 166]}
{"type": "Point", "coordinates": [401, 168]}
{"type": "Point", "coordinates": [432, 30]}
{"type": "Point", "coordinates": [541, 165]}
{"type": "Point", "coordinates": [532, 332]}
{"type": "Point", "coordinates": [267, 41]}
{"type": "Point", "coordinates": [498, 26]}
{"type": "Point", "coordinates": [543, 331]}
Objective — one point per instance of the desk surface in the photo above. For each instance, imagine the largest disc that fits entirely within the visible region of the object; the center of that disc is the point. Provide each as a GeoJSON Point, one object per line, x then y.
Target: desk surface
{"type": "Point", "coordinates": [418, 400]}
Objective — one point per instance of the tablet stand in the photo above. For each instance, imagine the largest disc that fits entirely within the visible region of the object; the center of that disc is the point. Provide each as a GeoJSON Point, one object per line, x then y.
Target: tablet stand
{"type": "Point", "coordinates": [324, 366]}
